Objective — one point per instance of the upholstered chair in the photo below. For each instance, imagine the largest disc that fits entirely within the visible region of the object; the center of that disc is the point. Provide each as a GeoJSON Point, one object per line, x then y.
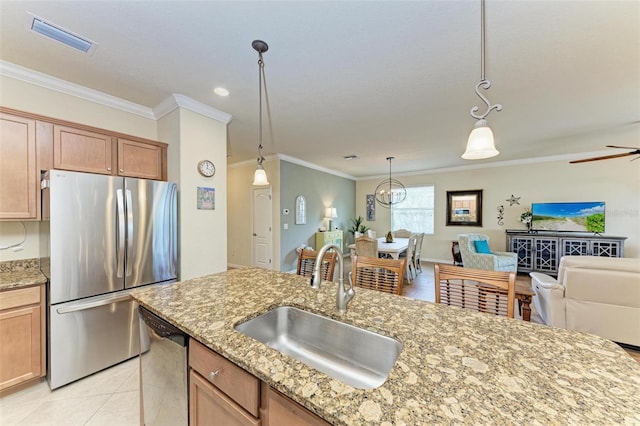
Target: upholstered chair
{"type": "Point", "coordinates": [476, 254]}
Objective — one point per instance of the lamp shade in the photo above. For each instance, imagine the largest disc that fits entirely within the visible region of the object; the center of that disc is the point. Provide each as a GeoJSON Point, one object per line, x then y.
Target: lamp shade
{"type": "Point", "coordinates": [331, 213]}
{"type": "Point", "coordinates": [480, 144]}
{"type": "Point", "coordinates": [260, 177]}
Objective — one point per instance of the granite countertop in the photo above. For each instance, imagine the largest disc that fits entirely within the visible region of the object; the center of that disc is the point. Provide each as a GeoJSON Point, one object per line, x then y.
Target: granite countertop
{"type": "Point", "coordinates": [457, 366]}
{"type": "Point", "coordinates": [20, 273]}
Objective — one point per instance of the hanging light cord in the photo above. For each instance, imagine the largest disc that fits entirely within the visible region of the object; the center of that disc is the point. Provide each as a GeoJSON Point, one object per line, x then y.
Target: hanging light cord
{"type": "Point", "coordinates": [484, 83]}
{"type": "Point", "coordinates": [24, 238]}
{"type": "Point", "coordinates": [260, 78]}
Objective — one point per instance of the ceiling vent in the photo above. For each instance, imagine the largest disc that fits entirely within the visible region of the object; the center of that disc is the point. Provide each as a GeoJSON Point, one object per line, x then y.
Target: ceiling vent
{"type": "Point", "coordinates": [61, 35]}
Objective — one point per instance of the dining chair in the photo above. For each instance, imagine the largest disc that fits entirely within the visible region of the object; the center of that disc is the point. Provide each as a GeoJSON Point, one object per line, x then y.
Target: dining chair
{"type": "Point", "coordinates": [401, 233]}
{"type": "Point", "coordinates": [373, 273]}
{"type": "Point", "coordinates": [409, 255]}
{"type": "Point", "coordinates": [366, 246]}
{"type": "Point", "coordinates": [307, 261]}
{"type": "Point", "coordinates": [416, 257]}
{"type": "Point", "coordinates": [477, 289]}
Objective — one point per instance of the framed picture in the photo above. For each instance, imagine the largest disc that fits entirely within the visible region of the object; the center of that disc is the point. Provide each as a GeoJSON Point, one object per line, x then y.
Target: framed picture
{"type": "Point", "coordinates": [206, 198]}
{"type": "Point", "coordinates": [371, 207]}
{"type": "Point", "coordinates": [464, 208]}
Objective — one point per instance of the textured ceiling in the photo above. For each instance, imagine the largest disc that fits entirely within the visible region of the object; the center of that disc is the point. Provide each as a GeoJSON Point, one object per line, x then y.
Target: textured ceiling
{"type": "Point", "coordinates": [367, 78]}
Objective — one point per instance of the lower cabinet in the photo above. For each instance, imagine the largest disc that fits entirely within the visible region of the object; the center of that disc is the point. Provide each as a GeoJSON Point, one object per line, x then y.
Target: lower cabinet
{"type": "Point", "coordinates": [22, 356]}
{"type": "Point", "coordinates": [221, 393]}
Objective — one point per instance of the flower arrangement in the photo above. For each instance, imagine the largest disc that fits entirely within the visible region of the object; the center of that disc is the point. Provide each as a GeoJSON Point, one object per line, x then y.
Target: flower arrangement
{"type": "Point", "coordinates": [526, 217]}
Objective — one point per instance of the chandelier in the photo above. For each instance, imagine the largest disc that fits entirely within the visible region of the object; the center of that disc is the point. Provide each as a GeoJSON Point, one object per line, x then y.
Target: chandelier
{"type": "Point", "coordinates": [390, 191]}
{"type": "Point", "coordinates": [260, 176]}
{"type": "Point", "coordinates": [480, 143]}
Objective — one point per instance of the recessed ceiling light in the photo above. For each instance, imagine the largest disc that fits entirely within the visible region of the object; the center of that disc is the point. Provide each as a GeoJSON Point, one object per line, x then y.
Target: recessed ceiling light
{"type": "Point", "coordinates": [221, 91]}
{"type": "Point", "coordinates": [61, 35]}
{"type": "Point", "coordinates": [350, 157]}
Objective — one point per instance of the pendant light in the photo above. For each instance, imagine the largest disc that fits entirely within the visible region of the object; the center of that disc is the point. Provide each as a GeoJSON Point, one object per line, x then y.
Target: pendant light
{"type": "Point", "coordinates": [390, 191]}
{"type": "Point", "coordinates": [480, 144]}
{"type": "Point", "coordinates": [260, 176]}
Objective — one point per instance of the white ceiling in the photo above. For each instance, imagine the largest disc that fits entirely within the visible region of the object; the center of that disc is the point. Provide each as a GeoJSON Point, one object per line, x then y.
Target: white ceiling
{"type": "Point", "coordinates": [367, 78]}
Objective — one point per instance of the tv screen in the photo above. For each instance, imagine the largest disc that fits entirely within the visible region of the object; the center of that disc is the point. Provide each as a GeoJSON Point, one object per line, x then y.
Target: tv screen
{"type": "Point", "coordinates": [576, 217]}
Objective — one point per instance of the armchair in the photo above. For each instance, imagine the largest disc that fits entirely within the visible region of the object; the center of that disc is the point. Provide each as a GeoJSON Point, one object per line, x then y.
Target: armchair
{"type": "Point", "coordinates": [598, 295]}
{"type": "Point", "coordinates": [492, 261]}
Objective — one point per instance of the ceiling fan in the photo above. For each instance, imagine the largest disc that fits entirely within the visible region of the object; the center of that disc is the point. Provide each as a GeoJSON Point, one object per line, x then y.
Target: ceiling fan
{"type": "Point", "coordinates": [636, 151]}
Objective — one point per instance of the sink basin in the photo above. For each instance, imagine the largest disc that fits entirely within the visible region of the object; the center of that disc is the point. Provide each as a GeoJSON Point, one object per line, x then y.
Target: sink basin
{"type": "Point", "coordinates": [357, 357]}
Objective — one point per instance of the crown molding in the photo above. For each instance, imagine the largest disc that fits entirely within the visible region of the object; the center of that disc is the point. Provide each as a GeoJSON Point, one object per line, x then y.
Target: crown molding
{"type": "Point", "coordinates": [180, 101]}
{"type": "Point", "coordinates": [293, 160]}
{"type": "Point", "coordinates": [534, 160]}
{"type": "Point", "coordinates": [53, 83]}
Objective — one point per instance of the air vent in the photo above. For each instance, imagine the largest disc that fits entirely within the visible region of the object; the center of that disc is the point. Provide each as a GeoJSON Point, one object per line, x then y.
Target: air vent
{"type": "Point", "coordinates": [61, 35]}
{"type": "Point", "coordinates": [350, 157]}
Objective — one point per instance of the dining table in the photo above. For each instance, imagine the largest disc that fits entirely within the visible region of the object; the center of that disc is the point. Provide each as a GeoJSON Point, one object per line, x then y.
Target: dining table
{"type": "Point", "coordinates": [393, 249]}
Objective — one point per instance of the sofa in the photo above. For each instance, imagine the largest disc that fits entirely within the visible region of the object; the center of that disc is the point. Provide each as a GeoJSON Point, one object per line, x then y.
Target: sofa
{"type": "Point", "coordinates": [493, 261]}
{"type": "Point", "coordinates": [598, 295]}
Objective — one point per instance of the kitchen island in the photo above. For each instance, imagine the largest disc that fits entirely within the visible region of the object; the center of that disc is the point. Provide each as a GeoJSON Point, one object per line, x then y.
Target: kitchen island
{"type": "Point", "coordinates": [457, 366]}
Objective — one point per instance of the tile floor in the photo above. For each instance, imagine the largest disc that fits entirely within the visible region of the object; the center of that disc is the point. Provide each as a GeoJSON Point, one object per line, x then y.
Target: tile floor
{"type": "Point", "coordinates": [110, 397]}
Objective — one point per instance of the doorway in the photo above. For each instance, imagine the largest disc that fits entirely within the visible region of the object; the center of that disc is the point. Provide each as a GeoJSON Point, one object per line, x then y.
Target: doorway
{"type": "Point", "coordinates": [262, 229]}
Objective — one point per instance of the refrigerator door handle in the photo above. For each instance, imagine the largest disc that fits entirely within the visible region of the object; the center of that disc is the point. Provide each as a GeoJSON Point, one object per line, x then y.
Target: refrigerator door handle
{"type": "Point", "coordinates": [82, 306]}
{"type": "Point", "coordinates": [129, 232]}
{"type": "Point", "coordinates": [120, 236]}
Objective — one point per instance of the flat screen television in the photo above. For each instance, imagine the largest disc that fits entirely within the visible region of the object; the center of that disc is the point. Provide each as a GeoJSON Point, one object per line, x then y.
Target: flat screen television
{"type": "Point", "coordinates": [573, 217]}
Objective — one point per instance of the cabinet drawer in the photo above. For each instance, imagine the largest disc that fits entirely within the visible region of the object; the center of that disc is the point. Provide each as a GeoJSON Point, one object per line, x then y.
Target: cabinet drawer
{"type": "Point", "coordinates": [19, 297]}
{"type": "Point", "coordinates": [209, 406]}
{"type": "Point", "coordinates": [239, 385]}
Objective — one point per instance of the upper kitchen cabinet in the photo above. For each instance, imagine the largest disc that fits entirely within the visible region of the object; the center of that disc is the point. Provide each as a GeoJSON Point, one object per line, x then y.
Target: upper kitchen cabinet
{"type": "Point", "coordinates": [146, 160]}
{"type": "Point", "coordinates": [18, 175]}
{"type": "Point", "coordinates": [82, 150]}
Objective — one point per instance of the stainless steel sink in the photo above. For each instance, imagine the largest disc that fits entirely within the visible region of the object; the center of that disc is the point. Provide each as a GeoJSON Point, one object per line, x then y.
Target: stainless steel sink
{"type": "Point", "coordinates": [357, 357]}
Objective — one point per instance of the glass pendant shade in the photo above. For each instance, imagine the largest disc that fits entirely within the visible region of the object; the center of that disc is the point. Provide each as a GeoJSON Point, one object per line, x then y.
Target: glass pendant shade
{"type": "Point", "coordinates": [260, 177]}
{"type": "Point", "coordinates": [480, 144]}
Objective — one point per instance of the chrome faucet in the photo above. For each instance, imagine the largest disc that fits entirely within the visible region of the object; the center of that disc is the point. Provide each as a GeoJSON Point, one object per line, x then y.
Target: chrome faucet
{"type": "Point", "coordinates": [344, 296]}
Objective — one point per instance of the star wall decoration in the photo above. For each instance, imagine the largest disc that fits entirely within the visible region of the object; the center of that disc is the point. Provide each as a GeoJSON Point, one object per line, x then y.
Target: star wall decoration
{"type": "Point", "coordinates": [513, 200]}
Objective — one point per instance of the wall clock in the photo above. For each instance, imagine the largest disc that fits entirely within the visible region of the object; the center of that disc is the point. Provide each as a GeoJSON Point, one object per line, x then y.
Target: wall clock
{"type": "Point", "coordinates": [206, 168]}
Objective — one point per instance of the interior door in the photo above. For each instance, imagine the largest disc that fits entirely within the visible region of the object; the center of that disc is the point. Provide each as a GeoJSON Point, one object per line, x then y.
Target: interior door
{"type": "Point", "coordinates": [262, 229]}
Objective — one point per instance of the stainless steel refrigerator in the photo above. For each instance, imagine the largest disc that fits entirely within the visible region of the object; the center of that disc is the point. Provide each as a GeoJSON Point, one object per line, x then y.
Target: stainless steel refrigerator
{"type": "Point", "coordinates": [104, 236]}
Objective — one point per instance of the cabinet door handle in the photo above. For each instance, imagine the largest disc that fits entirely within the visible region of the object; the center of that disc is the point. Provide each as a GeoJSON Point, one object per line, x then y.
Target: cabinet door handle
{"type": "Point", "coordinates": [108, 169]}
{"type": "Point", "coordinates": [214, 374]}
{"type": "Point", "coordinates": [121, 170]}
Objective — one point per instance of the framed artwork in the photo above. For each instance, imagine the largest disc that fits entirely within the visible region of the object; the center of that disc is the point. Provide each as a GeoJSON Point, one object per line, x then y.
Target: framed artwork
{"type": "Point", "coordinates": [464, 208]}
{"type": "Point", "coordinates": [206, 198]}
{"type": "Point", "coordinates": [301, 210]}
{"type": "Point", "coordinates": [371, 207]}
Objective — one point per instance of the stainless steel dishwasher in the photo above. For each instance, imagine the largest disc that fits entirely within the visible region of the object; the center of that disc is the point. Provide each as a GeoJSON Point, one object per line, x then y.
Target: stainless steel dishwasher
{"type": "Point", "coordinates": [163, 372]}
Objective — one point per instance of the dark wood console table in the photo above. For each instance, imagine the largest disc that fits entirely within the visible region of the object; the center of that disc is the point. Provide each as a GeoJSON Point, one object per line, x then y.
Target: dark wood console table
{"type": "Point", "coordinates": [541, 251]}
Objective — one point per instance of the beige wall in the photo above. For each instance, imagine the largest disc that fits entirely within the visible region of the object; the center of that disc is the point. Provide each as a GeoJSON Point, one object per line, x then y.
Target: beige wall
{"type": "Point", "coordinates": [203, 233]}
{"type": "Point", "coordinates": [617, 182]}
{"type": "Point", "coordinates": [240, 219]}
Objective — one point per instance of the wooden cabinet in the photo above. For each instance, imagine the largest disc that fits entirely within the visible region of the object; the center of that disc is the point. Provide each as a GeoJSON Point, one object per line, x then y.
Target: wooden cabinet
{"type": "Point", "coordinates": [21, 335]}
{"type": "Point", "coordinates": [329, 237]}
{"type": "Point", "coordinates": [86, 151]}
{"type": "Point", "coordinates": [221, 393]}
{"type": "Point", "coordinates": [141, 160]}
{"type": "Point", "coordinates": [82, 150]}
{"type": "Point", "coordinates": [18, 174]}
{"type": "Point", "coordinates": [279, 410]}
{"type": "Point", "coordinates": [542, 251]}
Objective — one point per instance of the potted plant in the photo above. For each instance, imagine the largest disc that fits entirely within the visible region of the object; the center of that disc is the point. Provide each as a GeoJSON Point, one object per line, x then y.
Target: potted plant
{"type": "Point", "coordinates": [358, 228]}
{"type": "Point", "coordinates": [526, 218]}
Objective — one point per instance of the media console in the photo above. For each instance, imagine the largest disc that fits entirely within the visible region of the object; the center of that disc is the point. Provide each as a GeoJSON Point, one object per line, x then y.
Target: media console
{"type": "Point", "coordinates": [540, 251]}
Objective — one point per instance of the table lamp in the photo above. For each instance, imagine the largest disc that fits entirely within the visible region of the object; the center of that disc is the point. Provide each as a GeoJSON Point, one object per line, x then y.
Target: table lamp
{"type": "Point", "coordinates": [330, 213]}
